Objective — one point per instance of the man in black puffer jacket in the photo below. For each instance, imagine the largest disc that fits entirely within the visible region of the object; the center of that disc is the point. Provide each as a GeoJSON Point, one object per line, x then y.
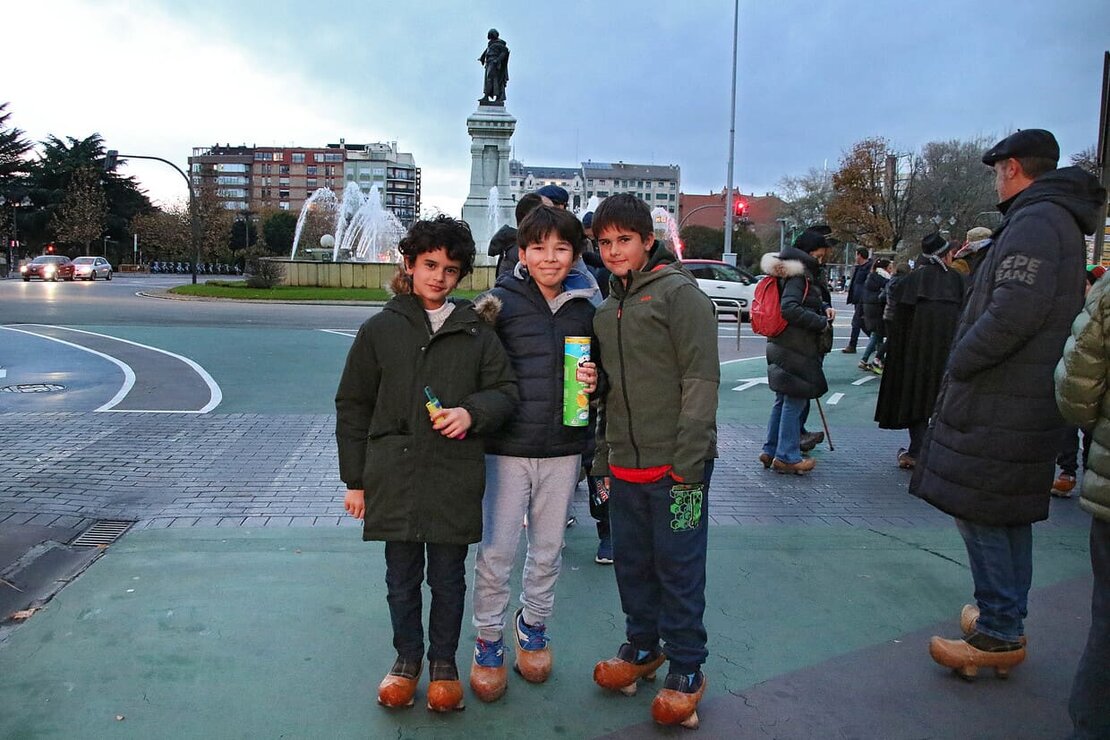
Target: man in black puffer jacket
{"type": "Point", "coordinates": [794, 357]}
{"type": "Point", "coordinates": [988, 458]}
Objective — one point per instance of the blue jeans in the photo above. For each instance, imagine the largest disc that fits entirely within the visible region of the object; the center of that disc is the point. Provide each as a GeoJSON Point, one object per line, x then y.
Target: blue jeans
{"type": "Point", "coordinates": [659, 549]}
{"type": "Point", "coordinates": [404, 578]}
{"type": "Point", "coordinates": [1002, 568]}
{"type": "Point", "coordinates": [785, 428]}
{"type": "Point", "coordinates": [1088, 707]}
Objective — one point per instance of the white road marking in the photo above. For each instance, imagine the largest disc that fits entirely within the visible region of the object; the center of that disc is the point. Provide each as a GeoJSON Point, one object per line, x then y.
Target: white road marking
{"type": "Point", "coordinates": [864, 379]}
{"type": "Point", "coordinates": [128, 373]}
{"type": "Point", "coordinates": [834, 399]}
{"type": "Point", "coordinates": [746, 383]}
{"type": "Point", "coordinates": [3, 373]}
{"type": "Point", "coordinates": [215, 394]}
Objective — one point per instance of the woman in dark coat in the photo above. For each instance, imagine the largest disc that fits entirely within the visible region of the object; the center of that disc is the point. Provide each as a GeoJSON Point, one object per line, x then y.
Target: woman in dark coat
{"type": "Point", "coordinates": [927, 305]}
{"type": "Point", "coordinates": [873, 303]}
{"type": "Point", "coordinates": [794, 357]}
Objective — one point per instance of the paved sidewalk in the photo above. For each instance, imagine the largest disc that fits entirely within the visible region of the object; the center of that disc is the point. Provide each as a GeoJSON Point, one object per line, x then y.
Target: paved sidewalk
{"type": "Point", "coordinates": [244, 604]}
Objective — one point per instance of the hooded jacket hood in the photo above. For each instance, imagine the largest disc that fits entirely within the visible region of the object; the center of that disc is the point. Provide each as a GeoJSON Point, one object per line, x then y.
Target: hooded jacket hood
{"type": "Point", "coordinates": [659, 257]}
{"type": "Point", "coordinates": [790, 262]}
{"type": "Point", "coordinates": [1072, 188]}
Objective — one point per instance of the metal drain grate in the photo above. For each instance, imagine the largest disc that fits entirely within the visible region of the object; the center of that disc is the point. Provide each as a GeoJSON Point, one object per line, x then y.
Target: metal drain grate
{"type": "Point", "coordinates": [32, 388]}
{"type": "Point", "coordinates": [102, 533]}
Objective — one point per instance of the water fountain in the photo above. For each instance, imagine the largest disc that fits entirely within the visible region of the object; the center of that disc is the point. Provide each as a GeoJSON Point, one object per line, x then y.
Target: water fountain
{"type": "Point", "coordinates": [666, 226]}
{"type": "Point", "coordinates": [363, 229]}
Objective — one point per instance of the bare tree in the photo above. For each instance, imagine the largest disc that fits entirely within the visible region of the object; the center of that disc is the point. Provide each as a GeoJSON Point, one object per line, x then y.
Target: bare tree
{"type": "Point", "coordinates": [806, 198]}
{"type": "Point", "coordinates": [81, 217]}
{"type": "Point", "coordinates": [956, 190]}
{"type": "Point", "coordinates": [1087, 159]}
{"type": "Point", "coordinates": [873, 195]}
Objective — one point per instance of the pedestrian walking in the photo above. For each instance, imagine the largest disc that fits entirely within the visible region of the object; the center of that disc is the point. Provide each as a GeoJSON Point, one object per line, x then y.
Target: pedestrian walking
{"type": "Point", "coordinates": [927, 304]}
{"type": "Point", "coordinates": [533, 462]}
{"type": "Point", "coordinates": [855, 296]}
{"type": "Point", "coordinates": [873, 304]}
{"type": "Point", "coordinates": [425, 380]}
{"type": "Point", "coordinates": [988, 456]}
{"type": "Point", "coordinates": [656, 444]}
{"type": "Point", "coordinates": [1081, 393]}
{"type": "Point", "coordinates": [795, 356]}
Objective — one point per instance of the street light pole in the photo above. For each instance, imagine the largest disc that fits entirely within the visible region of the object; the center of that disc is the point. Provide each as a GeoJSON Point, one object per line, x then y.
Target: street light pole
{"type": "Point", "coordinates": [732, 127]}
{"type": "Point", "coordinates": [194, 227]}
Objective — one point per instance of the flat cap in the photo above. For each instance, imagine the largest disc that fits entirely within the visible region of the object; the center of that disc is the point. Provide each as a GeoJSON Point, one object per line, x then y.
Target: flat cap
{"type": "Point", "coordinates": [555, 194]}
{"type": "Point", "coordinates": [1030, 142]}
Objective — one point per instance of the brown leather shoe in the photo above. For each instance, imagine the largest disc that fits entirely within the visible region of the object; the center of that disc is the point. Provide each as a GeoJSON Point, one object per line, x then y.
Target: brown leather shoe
{"type": "Point", "coordinates": [622, 672]}
{"type": "Point", "coordinates": [765, 459]}
{"type": "Point", "coordinates": [966, 659]}
{"type": "Point", "coordinates": [802, 467]}
{"type": "Point", "coordinates": [905, 460]}
{"type": "Point", "coordinates": [1063, 485]}
{"type": "Point", "coordinates": [398, 688]}
{"type": "Point", "coordinates": [969, 621]}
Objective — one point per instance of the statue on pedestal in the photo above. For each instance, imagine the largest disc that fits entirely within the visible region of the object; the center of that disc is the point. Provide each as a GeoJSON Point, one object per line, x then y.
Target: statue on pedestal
{"type": "Point", "coordinates": [496, 61]}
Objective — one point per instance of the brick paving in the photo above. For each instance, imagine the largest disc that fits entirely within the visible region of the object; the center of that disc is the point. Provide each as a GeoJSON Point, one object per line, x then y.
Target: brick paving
{"type": "Point", "coordinates": [253, 470]}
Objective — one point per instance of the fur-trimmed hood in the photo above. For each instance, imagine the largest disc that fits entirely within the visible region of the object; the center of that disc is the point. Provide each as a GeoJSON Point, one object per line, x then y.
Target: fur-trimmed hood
{"type": "Point", "coordinates": [488, 307]}
{"type": "Point", "coordinates": [790, 262]}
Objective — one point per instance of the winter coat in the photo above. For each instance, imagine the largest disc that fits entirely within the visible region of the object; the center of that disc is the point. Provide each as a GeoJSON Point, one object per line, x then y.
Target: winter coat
{"type": "Point", "coordinates": [927, 305]}
{"type": "Point", "coordinates": [990, 452]}
{"type": "Point", "coordinates": [420, 486]}
{"type": "Point", "coordinates": [872, 302]}
{"type": "Point", "coordinates": [1082, 377]}
{"type": "Point", "coordinates": [657, 347]}
{"type": "Point", "coordinates": [533, 338]}
{"type": "Point", "coordinates": [503, 246]}
{"type": "Point", "coordinates": [794, 357]}
{"type": "Point", "coordinates": [859, 281]}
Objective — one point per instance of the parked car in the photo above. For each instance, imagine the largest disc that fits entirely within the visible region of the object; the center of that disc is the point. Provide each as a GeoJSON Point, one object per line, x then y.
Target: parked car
{"type": "Point", "coordinates": [48, 267]}
{"type": "Point", "coordinates": [724, 284]}
{"type": "Point", "coordinates": [90, 268]}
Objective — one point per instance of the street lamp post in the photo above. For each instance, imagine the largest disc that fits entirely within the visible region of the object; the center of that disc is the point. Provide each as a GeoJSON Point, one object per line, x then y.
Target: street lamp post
{"type": "Point", "coordinates": [194, 227]}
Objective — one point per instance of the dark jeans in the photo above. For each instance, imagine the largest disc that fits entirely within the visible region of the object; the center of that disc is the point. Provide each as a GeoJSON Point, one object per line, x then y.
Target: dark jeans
{"type": "Point", "coordinates": [857, 324]}
{"type": "Point", "coordinates": [1089, 705]}
{"type": "Point", "coordinates": [404, 578]}
{"type": "Point", "coordinates": [1002, 567]}
{"type": "Point", "coordinates": [1068, 457]}
{"type": "Point", "coordinates": [599, 510]}
{"type": "Point", "coordinates": [659, 545]}
{"type": "Point", "coordinates": [917, 436]}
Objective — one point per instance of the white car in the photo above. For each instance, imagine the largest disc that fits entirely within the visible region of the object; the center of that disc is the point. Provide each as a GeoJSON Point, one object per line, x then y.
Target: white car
{"type": "Point", "coordinates": [90, 268]}
{"type": "Point", "coordinates": [725, 284]}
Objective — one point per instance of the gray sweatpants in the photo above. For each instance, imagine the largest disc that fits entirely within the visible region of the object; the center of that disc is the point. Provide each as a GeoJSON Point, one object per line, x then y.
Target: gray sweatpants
{"type": "Point", "coordinates": [542, 489]}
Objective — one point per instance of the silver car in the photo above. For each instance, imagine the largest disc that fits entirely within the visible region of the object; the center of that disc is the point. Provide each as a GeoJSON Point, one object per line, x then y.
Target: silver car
{"type": "Point", "coordinates": [90, 268]}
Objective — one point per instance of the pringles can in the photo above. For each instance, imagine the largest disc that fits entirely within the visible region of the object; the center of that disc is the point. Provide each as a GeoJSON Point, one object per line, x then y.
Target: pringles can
{"type": "Point", "coordinates": [576, 402]}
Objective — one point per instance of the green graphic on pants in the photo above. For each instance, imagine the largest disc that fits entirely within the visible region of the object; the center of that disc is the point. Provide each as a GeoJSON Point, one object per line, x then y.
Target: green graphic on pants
{"type": "Point", "coordinates": [686, 507]}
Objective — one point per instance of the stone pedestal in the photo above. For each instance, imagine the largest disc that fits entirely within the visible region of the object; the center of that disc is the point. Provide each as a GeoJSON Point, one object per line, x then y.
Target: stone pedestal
{"type": "Point", "coordinates": [491, 129]}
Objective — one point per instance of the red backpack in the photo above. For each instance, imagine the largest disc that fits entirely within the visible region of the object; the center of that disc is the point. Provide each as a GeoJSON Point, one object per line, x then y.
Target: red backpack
{"type": "Point", "coordinates": [766, 310]}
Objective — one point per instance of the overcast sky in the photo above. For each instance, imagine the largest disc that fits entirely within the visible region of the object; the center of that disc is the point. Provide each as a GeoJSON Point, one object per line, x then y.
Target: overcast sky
{"type": "Point", "coordinates": [644, 82]}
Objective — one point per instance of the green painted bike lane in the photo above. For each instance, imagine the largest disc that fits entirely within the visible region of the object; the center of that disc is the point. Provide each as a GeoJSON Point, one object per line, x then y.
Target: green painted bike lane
{"type": "Point", "coordinates": [268, 633]}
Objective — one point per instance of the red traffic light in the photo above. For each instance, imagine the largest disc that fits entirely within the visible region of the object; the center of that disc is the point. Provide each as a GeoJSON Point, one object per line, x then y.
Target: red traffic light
{"type": "Point", "coordinates": [740, 207]}
{"type": "Point", "coordinates": [50, 249]}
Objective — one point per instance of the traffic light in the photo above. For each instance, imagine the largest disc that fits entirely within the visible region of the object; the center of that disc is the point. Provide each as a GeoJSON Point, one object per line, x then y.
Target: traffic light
{"type": "Point", "coordinates": [111, 157]}
{"type": "Point", "coordinates": [50, 249]}
{"type": "Point", "coordinates": [740, 207]}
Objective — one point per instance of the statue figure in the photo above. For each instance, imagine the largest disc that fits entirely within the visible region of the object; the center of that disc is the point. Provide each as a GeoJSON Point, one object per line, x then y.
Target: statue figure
{"type": "Point", "coordinates": [496, 60]}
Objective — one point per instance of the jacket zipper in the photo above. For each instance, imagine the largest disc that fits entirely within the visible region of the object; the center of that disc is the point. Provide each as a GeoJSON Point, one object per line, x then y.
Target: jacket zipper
{"type": "Point", "coordinates": [624, 380]}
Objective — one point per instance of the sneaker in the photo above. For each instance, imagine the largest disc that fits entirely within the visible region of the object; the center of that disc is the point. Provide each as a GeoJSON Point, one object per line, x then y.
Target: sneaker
{"type": "Point", "coordinates": [533, 658]}
{"type": "Point", "coordinates": [864, 365]}
{"type": "Point", "coordinates": [604, 551]}
{"type": "Point", "coordinates": [809, 440]}
{"type": "Point", "coordinates": [488, 675]}
{"type": "Point", "coordinates": [571, 521]}
{"type": "Point", "coordinates": [849, 350]}
{"type": "Point", "coordinates": [876, 367]}
{"type": "Point", "coordinates": [905, 461]}
{"type": "Point", "coordinates": [1063, 485]}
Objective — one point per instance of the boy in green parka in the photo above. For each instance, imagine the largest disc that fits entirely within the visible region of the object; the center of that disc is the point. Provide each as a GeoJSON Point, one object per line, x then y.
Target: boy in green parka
{"type": "Point", "coordinates": [415, 472]}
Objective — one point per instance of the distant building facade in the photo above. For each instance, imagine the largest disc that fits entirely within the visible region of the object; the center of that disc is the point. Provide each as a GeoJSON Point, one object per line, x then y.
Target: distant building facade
{"type": "Point", "coordinates": [709, 210]}
{"type": "Point", "coordinates": [258, 178]}
{"type": "Point", "coordinates": [658, 185]}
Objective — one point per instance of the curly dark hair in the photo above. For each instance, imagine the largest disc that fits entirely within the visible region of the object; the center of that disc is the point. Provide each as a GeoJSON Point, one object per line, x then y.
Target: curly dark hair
{"type": "Point", "coordinates": [443, 231]}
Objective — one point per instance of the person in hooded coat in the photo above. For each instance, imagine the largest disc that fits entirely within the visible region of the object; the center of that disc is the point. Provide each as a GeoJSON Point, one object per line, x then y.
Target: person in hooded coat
{"type": "Point", "coordinates": [794, 357]}
{"type": "Point", "coordinates": [988, 456]}
{"type": "Point", "coordinates": [927, 305]}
